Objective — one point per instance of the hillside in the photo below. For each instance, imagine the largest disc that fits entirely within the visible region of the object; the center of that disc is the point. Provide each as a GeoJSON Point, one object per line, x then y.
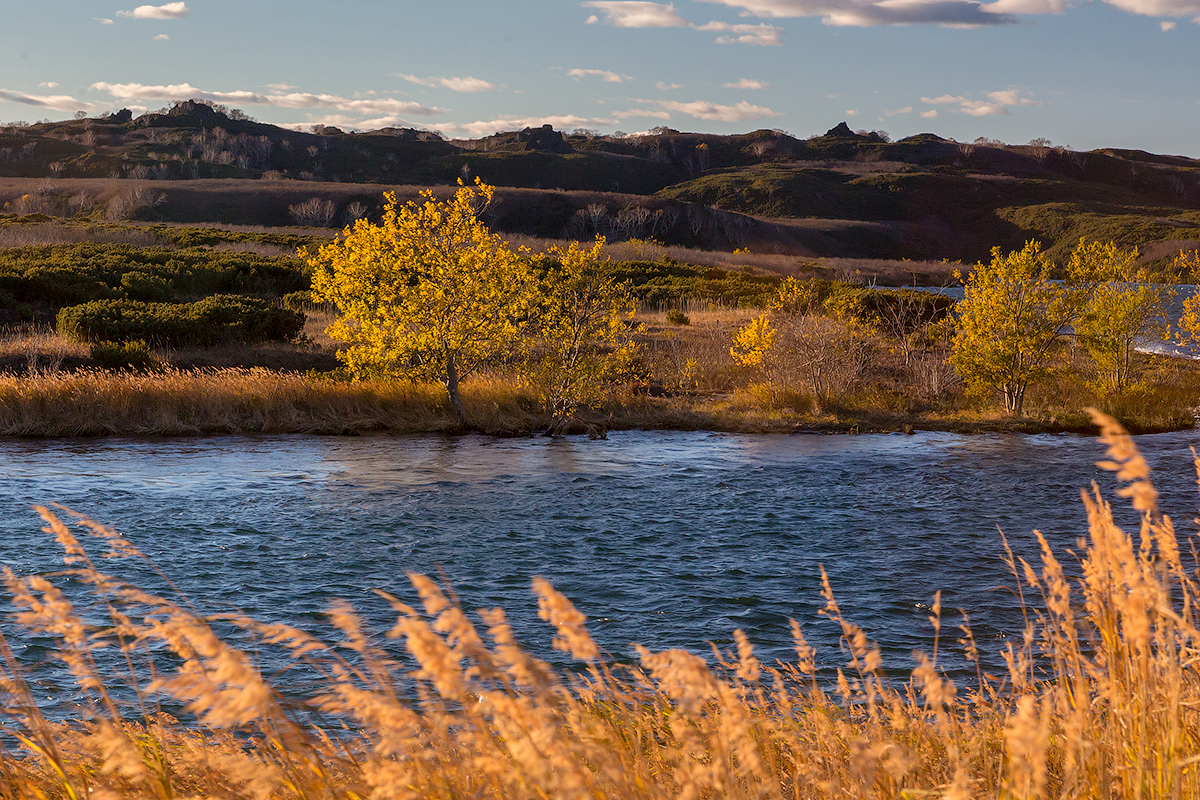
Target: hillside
{"type": "Point", "coordinates": [841, 194]}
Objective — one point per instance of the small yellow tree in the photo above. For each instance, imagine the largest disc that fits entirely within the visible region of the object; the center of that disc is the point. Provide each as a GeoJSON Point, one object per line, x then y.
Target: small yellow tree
{"type": "Point", "coordinates": [428, 293]}
{"type": "Point", "coordinates": [1009, 320]}
{"type": "Point", "coordinates": [586, 345]}
{"type": "Point", "coordinates": [1127, 306]}
{"type": "Point", "coordinates": [753, 341]}
{"type": "Point", "coordinates": [794, 297]}
{"type": "Point", "coordinates": [1188, 264]}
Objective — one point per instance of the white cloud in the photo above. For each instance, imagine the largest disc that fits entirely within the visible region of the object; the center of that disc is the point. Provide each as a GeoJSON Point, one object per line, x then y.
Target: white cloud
{"type": "Point", "coordinates": [467, 84]}
{"type": "Point", "coordinates": [1166, 26]}
{"type": "Point", "coordinates": [630, 14]}
{"type": "Point", "coordinates": [898, 111]}
{"type": "Point", "coordinates": [763, 35]}
{"type": "Point", "coordinates": [608, 77]}
{"type": "Point", "coordinates": [866, 13]}
{"type": "Point", "coordinates": [1160, 8]}
{"type": "Point", "coordinates": [997, 103]}
{"type": "Point", "coordinates": [184, 91]}
{"type": "Point", "coordinates": [949, 13]}
{"type": "Point", "coordinates": [103, 20]}
{"type": "Point", "coordinates": [488, 127]}
{"type": "Point", "coordinates": [592, 20]}
{"type": "Point", "coordinates": [702, 109]}
{"type": "Point", "coordinates": [162, 37]}
{"type": "Point", "coordinates": [280, 87]}
{"type": "Point", "coordinates": [49, 84]}
{"type": "Point", "coordinates": [662, 86]}
{"type": "Point", "coordinates": [642, 112]}
{"type": "Point", "coordinates": [930, 114]}
{"type": "Point", "coordinates": [58, 102]}
{"type": "Point", "coordinates": [746, 83]}
{"type": "Point", "coordinates": [852, 112]}
{"type": "Point", "coordinates": [168, 11]}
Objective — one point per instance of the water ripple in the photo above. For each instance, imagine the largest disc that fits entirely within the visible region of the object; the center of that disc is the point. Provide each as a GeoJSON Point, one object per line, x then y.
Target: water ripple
{"type": "Point", "coordinates": [669, 539]}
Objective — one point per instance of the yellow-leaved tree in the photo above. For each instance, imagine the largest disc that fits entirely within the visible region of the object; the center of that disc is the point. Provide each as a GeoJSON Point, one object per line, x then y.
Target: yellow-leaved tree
{"type": "Point", "coordinates": [585, 344]}
{"type": "Point", "coordinates": [1187, 266]}
{"type": "Point", "coordinates": [1127, 305]}
{"type": "Point", "coordinates": [752, 342]}
{"type": "Point", "coordinates": [1011, 316]}
{"type": "Point", "coordinates": [428, 293]}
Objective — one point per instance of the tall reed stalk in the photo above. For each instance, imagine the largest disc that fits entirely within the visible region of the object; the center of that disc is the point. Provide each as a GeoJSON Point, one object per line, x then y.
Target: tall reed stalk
{"type": "Point", "coordinates": [1100, 697]}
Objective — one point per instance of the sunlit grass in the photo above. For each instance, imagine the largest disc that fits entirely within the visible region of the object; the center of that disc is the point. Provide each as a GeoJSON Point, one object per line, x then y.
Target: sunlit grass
{"type": "Point", "coordinates": [1100, 697]}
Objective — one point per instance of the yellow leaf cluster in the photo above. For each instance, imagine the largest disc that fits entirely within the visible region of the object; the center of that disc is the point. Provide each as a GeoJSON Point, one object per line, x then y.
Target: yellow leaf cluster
{"type": "Point", "coordinates": [753, 341]}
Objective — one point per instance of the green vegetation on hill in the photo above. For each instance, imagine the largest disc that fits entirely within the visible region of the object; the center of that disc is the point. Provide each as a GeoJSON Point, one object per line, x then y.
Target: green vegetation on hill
{"type": "Point", "coordinates": [64, 275]}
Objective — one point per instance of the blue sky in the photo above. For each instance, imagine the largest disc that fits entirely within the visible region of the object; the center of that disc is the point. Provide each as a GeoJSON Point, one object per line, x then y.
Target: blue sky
{"type": "Point", "coordinates": [1121, 73]}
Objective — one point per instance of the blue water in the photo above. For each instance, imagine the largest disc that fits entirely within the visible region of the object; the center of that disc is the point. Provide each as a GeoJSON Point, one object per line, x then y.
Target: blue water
{"type": "Point", "coordinates": [668, 539]}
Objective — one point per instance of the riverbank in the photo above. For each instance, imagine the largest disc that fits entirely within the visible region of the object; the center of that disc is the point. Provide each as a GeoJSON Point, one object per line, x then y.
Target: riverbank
{"type": "Point", "coordinates": [220, 401]}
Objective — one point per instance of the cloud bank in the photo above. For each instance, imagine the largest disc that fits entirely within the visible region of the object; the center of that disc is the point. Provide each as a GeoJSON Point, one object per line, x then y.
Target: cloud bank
{"type": "Point", "coordinates": [996, 104]}
{"type": "Point", "coordinates": [185, 91]}
{"type": "Point", "coordinates": [605, 75]}
{"type": "Point", "coordinates": [631, 14]}
{"type": "Point", "coordinates": [169, 11]}
{"type": "Point", "coordinates": [638, 14]}
{"type": "Point", "coordinates": [467, 84]}
{"type": "Point", "coordinates": [57, 102]}
{"type": "Point", "coordinates": [949, 13]}
{"type": "Point", "coordinates": [702, 109]}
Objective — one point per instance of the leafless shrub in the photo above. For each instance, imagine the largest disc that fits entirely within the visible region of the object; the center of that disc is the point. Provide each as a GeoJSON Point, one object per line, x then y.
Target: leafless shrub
{"type": "Point", "coordinates": [823, 356]}
{"type": "Point", "coordinates": [313, 212]}
{"type": "Point", "coordinates": [128, 204]}
{"type": "Point", "coordinates": [355, 211]}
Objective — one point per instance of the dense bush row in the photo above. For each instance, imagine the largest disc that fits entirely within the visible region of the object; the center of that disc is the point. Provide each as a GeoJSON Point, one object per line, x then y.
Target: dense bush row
{"type": "Point", "coordinates": [187, 236]}
{"type": "Point", "coordinates": [665, 284]}
{"type": "Point", "coordinates": [66, 275]}
{"type": "Point", "coordinates": [220, 319]}
{"type": "Point", "coordinates": [660, 284]}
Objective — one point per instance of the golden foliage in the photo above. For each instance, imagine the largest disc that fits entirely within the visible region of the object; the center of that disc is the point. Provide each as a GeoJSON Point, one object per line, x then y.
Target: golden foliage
{"type": "Point", "coordinates": [1126, 306]}
{"type": "Point", "coordinates": [752, 341]}
{"type": "Point", "coordinates": [428, 293]}
{"type": "Point", "coordinates": [585, 339]}
{"type": "Point", "coordinates": [1009, 319]}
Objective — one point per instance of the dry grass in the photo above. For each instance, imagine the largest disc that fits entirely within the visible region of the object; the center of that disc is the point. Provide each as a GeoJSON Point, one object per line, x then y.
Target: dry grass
{"type": "Point", "coordinates": [38, 349]}
{"type": "Point", "coordinates": [51, 233]}
{"type": "Point", "coordinates": [183, 402]}
{"type": "Point", "coordinates": [1100, 697]}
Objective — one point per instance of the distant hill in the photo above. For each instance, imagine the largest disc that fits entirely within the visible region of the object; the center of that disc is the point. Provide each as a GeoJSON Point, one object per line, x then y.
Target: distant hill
{"type": "Point", "coordinates": [840, 194]}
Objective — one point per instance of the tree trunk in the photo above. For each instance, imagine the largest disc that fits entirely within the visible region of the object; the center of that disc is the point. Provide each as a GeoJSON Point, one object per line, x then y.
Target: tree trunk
{"type": "Point", "coordinates": [456, 403]}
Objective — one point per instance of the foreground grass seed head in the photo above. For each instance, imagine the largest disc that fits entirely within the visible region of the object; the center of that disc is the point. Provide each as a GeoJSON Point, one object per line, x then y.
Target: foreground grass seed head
{"type": "Point", "coordinates": [1100, 698]}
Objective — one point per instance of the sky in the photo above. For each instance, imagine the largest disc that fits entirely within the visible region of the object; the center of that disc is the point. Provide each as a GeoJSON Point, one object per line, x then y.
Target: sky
{"type": "Point", "coordinates": [1086, 75]}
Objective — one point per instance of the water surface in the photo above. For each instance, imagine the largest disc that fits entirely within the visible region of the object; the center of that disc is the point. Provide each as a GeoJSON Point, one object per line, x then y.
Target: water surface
{"type": "Point", "coordinates": [668, 539]}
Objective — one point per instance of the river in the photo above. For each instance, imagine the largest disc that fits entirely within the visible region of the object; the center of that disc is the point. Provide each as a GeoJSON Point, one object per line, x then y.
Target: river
{"type": "Point", "coordinates": [668, 539]}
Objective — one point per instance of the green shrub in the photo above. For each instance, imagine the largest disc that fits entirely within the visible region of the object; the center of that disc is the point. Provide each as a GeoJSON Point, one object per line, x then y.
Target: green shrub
{"type": "Point", "coordinates": [124, 356]}
{"type": "Point", "coordinates": [142, 286]}
{"type": "Point", "coordinates": [220, 319]}
{"type": "Point", "coordinates": [677, 317]}
{"type": "Point", "coordinates": [297, 301]}
{"type": "Point", "coordinates": [69, 275]}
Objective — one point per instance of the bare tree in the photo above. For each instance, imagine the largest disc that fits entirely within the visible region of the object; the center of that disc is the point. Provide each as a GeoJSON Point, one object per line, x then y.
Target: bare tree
{"type": "Point", "coordinates": [313, 212]}
{"type": "Point", "coordinates": [355, 211]}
